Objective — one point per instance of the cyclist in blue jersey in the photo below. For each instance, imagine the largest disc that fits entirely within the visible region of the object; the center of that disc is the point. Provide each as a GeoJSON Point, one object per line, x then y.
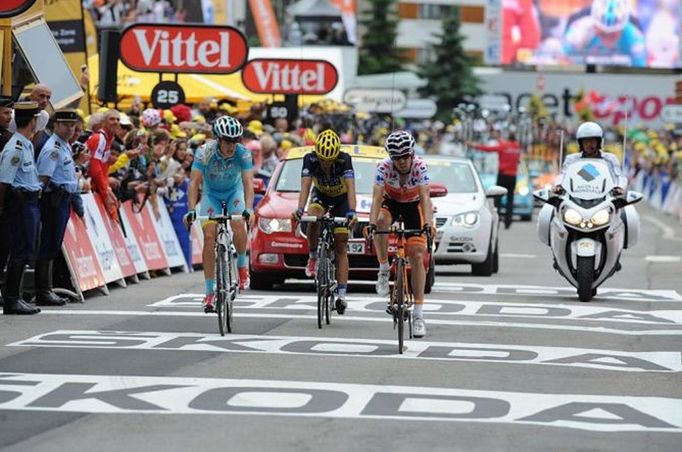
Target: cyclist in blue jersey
{"type": "Point", "coordinates": [606, 33]}
{"type": "Point", "coordinates": [223, 169]}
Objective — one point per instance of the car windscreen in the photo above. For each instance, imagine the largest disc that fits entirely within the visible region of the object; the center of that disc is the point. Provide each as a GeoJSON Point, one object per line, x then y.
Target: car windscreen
{"type": "Point", "coordinates": [457, 177]}
{"type": "Point", "coordinates": [290, 178]}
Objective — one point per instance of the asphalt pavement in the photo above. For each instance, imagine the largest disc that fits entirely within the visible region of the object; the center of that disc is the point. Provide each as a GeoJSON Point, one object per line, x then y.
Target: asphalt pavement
{"type": "Point", "coordinates": [510, 362]}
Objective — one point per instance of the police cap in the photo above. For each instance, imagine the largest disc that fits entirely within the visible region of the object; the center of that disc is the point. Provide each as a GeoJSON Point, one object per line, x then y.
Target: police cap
{"type": "Point", "coordinates": [66, 115]}
{"type": "Point", "coordinates": [6, 102]}
{"type": "Point", "coordinates": [26, 109]}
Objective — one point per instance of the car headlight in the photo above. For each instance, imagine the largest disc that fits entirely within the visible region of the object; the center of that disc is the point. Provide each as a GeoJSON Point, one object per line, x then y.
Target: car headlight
{"type": "Point", "coordinates": [465, 219]}
{"type": "Point", "coordinates": [523, 190]}
{"type": "Point", "coordinates": [270, 225]}
{"type": "Point", "coordinates": [571, 216]}
{"type": "Point", "coordinates": [601, 218]}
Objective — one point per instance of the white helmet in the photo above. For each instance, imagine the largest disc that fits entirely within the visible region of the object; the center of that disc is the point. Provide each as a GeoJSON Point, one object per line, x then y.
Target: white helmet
{"type": "Point", "coordinates": [610, 15]}
{"type": "Point", "coordinates": [590, 130]}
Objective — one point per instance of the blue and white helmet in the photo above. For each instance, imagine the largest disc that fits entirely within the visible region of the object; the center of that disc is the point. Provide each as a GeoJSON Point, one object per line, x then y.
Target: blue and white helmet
{"type": "Point", "coordinates": [610, 16]}
{"type": "Point", "coordinates": [227, 127]}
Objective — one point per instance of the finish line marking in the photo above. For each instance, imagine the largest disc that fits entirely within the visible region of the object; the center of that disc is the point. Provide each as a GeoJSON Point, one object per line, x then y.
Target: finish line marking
{"type": "Point", "coordinates": [369, 348]}
{"type": "Point", "coordinates": [385, 319]}
{"type": "Point", "coordinates": [109, 394]}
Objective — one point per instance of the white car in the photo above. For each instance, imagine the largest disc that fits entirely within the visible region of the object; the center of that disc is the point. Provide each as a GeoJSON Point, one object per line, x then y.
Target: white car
{"type": "Point", "coordinates": [466, 220]}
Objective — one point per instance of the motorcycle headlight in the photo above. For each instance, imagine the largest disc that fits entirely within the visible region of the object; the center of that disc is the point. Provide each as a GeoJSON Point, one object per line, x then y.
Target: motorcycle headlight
{"type": "Point", "coordinates": [270, 225]}
{"type": "Point", "coordinates": [571, 216]}
{"type": "Point", "coordinates": [600, 218]}
{"type": "Point", "coordinates": [465, 219]}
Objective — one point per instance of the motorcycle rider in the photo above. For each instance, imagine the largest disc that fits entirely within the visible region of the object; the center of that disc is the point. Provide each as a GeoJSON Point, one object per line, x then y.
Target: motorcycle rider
{"type": "Point", "coordinates": [590, 138]}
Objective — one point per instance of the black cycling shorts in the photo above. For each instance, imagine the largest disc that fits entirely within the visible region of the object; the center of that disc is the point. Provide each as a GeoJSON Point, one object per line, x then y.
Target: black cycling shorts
{"type": "Point", "coordinates": [336, 205]}
{"type": "Point", "coordinates": [410, 212]}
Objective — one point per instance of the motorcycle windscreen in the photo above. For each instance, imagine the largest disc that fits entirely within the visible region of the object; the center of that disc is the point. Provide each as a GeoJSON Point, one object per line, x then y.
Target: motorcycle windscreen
{"type": "Point", "coordinates": [589, 179]}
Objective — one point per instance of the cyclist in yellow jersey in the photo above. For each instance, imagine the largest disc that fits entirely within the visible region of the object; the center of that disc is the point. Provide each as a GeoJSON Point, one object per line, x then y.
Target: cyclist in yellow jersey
{"type": "Point", "coordinates": [328, 177]}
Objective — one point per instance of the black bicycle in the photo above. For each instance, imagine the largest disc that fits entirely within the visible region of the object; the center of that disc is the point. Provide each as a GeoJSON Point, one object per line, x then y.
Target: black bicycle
{"type": "Point", "coordinates": [401, 296]}
{"type": "Point", "coordinates": [227, 278]}
{"type": "Point", "coordinates": [325, 274]}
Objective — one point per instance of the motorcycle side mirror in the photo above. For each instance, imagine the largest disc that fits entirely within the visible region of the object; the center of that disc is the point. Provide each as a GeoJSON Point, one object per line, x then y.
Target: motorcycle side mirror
{"type": "Point", "coordinates": [631, 197]}
{"type": "Point", "coordinates": [495, 191]}
{"type": "Point", "coordinates": [547, 196]}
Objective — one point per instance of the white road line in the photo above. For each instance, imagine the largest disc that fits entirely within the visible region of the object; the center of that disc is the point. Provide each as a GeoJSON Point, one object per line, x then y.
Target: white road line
{"type": "Point", "coordinates": [386, 319]}
{"type": "Point", "coordinates": [668, 232]}
{"type": "Point", "coordinates": [518, 255]}
{"type": "Point", "coordinates": [366, 348]}
{"type": "Point", "coordinates": [663, 259]}
{"type": "Point", "coordinates": [105, 394]}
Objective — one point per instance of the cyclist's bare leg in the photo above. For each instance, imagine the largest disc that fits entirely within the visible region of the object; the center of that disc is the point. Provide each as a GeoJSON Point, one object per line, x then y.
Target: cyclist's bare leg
{"type": "Point", "coordinates": [341, 248]}
{"type": "Point", "coordinates": [314, 228]}
{"type": "Point", "coordinates": [209, 250]}
{"type": "Point", "coordinates": [239, 236]}
{"type": "Point", "coordinates": [415, 253]}
{"type": "Point", "coordinates": [384, 221]}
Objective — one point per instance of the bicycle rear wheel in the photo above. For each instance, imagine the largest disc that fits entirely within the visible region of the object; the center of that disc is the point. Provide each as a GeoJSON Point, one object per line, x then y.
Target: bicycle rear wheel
{"type": "Point", "coordinates": [221, 289]}
{"type": "Point", "coordinates": [399, 306]}
{"type": "Point", "coordinates": [321, 282]}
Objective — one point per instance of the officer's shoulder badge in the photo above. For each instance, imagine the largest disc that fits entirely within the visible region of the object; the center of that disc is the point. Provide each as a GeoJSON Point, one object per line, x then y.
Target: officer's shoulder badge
{"type": "Point", "coordinates": [55, 154]}
{"type": "Point", "coordinates": [15, 160]}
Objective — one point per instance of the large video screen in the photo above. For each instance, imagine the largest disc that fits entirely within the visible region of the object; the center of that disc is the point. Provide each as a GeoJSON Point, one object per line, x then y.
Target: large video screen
{"type": "Point", "coordinates": [634, 33]}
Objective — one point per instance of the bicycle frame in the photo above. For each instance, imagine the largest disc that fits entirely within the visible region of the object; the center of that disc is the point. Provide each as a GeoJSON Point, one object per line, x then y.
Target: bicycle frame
{"type": "Point", "coordinates": [227, 281]}
{"type": "Point", "coordinates": [325, 276]}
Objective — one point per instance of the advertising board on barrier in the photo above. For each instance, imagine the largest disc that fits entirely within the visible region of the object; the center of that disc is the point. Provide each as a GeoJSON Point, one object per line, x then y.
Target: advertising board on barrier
{"type": "Point", "coordinates": [133, 247]}
{"type": "Point", "coordinates": [142, 228]}
{"type": "Point", "coordinates": [183, 48]}
{"type": "Point", "coordinates": [101, 241]}
{"type": "Point", "coordinates": [169, 240]}
{"type": "Point", "coordinates": [117, 240]}
{"type": "Point", "coordinates": [289, 76]}
{"type": "Point", "coordinates": [80, 256]}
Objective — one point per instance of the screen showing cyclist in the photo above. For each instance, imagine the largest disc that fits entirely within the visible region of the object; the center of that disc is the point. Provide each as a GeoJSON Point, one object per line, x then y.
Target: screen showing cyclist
{"type": "Point", "coordinates": [401, 189]}
{"type": "Point", "coordinates": [223, 171]}
{"type": "Point", "coordinates": [328, 177]}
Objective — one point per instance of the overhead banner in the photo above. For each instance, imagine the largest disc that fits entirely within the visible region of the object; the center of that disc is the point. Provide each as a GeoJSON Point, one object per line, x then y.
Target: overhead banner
{"type": "Point", "coordinates": [348, 16]}
{"type": "Point", "coordinates": [11, 8]}
{"type": "Point", "coordinates": [266, 23]}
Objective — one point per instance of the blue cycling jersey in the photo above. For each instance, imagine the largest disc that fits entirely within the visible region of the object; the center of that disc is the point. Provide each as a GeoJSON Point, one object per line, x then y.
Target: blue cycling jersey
{"type": "Point", "coordinates": [630, 44]}
{"type": "Point", "coordinates": [222, 176]}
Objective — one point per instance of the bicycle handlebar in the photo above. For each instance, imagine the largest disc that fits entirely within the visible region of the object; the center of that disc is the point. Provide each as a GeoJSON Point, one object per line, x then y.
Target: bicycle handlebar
{"type": "Point", "coordinates": [314, 219]}
{"type": "Point", "coordinates": [220, 218]}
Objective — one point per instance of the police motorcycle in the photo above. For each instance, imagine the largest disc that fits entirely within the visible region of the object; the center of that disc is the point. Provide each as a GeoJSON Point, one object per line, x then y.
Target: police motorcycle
{"type": "Point", "coordinates": [587, 226]}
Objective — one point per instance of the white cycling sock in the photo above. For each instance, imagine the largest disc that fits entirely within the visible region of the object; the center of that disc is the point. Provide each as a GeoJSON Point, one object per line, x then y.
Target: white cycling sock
{"type": "Point", "coordinates": [384, 267]}
{"type": "Point", "coordinates": [417, 311]}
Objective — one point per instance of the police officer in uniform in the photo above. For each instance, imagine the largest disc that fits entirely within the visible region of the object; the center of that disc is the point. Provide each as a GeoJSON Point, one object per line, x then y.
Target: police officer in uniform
{"type": "Point", "coordinates": [57, 172]}
{"type": "Point", "coordinates": [6, 109]}
{"type": "Point", "coordinates": [19, 194]}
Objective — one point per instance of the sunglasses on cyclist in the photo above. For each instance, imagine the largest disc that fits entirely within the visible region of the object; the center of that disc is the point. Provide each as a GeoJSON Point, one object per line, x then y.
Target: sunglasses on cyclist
{"type": "Point", "coordinates": [229, 140]}
{"type": "Point", "coordinates": [401, 157]}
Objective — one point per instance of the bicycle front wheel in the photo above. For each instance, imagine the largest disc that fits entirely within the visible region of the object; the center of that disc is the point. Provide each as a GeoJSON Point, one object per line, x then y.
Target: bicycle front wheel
{"type": "Point", "coordinates": [331, 271]}
{"type": "Point", "coordinates": [321, 282]}
{"type": "Point", "coordinates": [232, 292]}
{"type": "Point", "coordinates": [221, 289]}
{"type": "Point", "coordinates": [399, 300]}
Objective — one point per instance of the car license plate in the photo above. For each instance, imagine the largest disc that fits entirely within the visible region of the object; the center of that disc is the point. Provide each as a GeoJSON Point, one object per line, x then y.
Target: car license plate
{"type": "Point", "coordinates": [356, 248]}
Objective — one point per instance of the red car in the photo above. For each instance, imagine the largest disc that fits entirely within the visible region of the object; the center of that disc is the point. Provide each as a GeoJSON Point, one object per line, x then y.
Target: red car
{"type": "Point", "coordinates": [277, 253]}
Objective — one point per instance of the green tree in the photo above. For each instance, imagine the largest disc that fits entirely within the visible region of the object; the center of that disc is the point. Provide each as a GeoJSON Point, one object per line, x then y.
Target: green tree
{"type": "Point", "coordinates": [378, 53]}
{"type": "Point", "coordinates": [449, 74]}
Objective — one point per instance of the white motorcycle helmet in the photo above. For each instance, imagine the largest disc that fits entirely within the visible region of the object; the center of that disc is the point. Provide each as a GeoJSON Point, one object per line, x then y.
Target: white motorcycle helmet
{"type": "Point", "coordinates": [590, 130]}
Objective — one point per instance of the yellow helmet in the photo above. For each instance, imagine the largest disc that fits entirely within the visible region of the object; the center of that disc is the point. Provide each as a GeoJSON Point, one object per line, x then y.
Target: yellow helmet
{"type": "Point", "coordinates": [327, 145]}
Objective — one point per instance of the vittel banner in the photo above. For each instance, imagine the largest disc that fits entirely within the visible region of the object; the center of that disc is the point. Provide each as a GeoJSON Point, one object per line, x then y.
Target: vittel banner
{"type": "Point", "coordinates": [183, 48]}
{"type": "Point", "coordinates": [284, 76]}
